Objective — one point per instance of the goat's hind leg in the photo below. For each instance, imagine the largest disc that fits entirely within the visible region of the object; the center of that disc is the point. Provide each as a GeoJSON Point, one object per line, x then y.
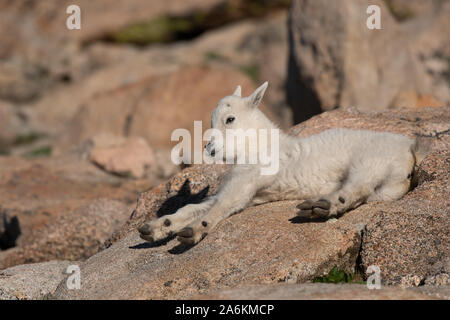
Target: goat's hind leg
{"type": "Point", "coordinates": [358, 186]}
{"type": "Point", "coordinates": [346, 198]}
{"type": "Point", "coordinates": [391, 190]}
{"type": "Point", "coordinates": [398, 182]}
{"type": "Point", "coordinates": [167, 226]}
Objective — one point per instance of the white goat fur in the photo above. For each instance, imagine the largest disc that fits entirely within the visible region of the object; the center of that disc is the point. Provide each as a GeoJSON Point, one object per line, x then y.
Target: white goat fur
{"type": "Point", "coordinates": [335, 171]}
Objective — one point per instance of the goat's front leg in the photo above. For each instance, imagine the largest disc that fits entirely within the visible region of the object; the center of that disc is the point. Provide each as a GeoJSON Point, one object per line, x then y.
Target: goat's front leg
{"type": "Point", "coordinates": [169, 225]}
{"type": "Point", "coordinates": [236, 195]}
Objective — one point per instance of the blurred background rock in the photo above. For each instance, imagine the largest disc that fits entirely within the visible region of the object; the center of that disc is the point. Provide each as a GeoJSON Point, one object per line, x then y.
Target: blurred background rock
{"type": "Point", "coordinates": [87, 114]}
{"type": "Point", "coordinates": [143, 68]}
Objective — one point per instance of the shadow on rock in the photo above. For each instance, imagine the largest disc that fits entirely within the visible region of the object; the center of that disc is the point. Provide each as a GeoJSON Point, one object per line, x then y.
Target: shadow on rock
{"type": "Point", "coordinates": [181, 199]}
{"type": "Point", "coordinates": [148, 245]}
{"type": "Point", "coordinates": [301, 220]}
{"type": "Point", "coordinates": [9, 230]}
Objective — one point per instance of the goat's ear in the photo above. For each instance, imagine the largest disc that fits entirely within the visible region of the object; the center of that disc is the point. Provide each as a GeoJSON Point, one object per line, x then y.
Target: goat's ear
{"type": "Point", "coordinates": [237, 92]}
{"type": "Point", "coordinates": [255, 98]}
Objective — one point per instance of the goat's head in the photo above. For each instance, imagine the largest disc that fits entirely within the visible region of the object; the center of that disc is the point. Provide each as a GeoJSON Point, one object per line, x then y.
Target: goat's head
{"type": "Point", "coordinates": [239, 119]}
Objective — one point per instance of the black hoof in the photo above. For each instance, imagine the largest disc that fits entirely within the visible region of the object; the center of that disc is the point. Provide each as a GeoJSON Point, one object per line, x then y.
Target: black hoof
{"type": "Point", "coordinates": [320, 213]}
{"type": "Point", "coordinates": [186, 241]}
{"type": "Point", "coordinates": [308, 204]}
{"type": "Point", "coordinates": [145, 237]}
{"type": "Point", "coordinates": [322, 203]}
{"type": "Point", "coordinates": [186, 232]}
{"type": "Point", "coordinates": [145, 229]}
{"type": "Point", "coordinates": [305, 213]}
{"type": "Point", "coordinates": [317, 209]}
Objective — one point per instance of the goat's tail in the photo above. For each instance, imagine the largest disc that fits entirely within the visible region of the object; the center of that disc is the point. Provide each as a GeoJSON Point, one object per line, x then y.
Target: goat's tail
{"type": "Point", "coordinates": [420, 149]}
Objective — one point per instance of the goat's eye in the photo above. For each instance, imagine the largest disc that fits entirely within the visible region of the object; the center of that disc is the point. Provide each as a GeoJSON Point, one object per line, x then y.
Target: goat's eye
{"type": "Point", "coordinates": [230, 120]}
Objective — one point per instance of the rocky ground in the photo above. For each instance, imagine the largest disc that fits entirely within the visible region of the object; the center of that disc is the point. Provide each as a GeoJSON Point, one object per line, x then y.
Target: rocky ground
{"type": "Point", "coordinates": [267, 244]}
{"type": "Point", "coordinates": [85, 124]}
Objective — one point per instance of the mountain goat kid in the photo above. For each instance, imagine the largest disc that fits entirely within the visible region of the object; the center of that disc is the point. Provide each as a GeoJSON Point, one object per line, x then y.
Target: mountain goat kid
{"type": "Point", "coordinates": [333, 172]}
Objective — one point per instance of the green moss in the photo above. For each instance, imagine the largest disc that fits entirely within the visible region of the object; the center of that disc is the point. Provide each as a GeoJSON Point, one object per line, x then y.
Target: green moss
{"type": "Point", "coordinates": [400, 13]}
{"type": "Point", "coordinates": [214, 56]}
{"type": "Point", "coordinates": [44, 151]}
{"type": "Point", "coordinates": [160, 29]}
{"type": "Point", "coordinates": [252, 70]}
{"type": "Point", "coordinates": [166, 28]}
{"type": "Point", "coordinates": [339, 276]}
{"type": "Point", "coordinates": [27, 139]}
{"type": "Point", "coordinates": [256, 8]}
